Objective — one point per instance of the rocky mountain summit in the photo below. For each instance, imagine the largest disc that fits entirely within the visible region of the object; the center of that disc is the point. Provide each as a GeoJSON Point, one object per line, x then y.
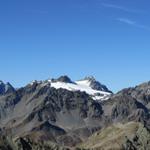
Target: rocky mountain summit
{"type": "Point", "coordinates": [96, 85]}
{"type": "Point", "coordinates": [6, 88]}
{"type": "Point", "coordinates": [93, 88]}
{"type": "Point", "coordinates": [63, 114]}
{"type": "Point", "coordinates": [64, 79]}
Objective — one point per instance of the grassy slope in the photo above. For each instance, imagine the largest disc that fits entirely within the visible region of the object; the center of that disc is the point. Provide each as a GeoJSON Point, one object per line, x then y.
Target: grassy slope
{"type": "Point", "coordinates": [115, 137]}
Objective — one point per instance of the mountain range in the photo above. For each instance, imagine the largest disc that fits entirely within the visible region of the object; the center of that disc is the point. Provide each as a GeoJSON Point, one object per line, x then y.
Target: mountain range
{"type": "Point", "coordinates": [62, 114]}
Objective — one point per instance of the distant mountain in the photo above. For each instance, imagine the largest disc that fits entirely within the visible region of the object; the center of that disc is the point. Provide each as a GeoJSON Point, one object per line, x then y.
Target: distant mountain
{"type": "Point", "coordinates": [61, 113]}
{"type": "Point", "coordinates": [6, 88]}
{"type": "Point", "coordinates": [95, 85]}
{"type": "Point", "coordinates": [89, 85]}
{"type": "Point", "coordinates": [64, 79]}
{"type": "Point", "coordinates": [40, 110]}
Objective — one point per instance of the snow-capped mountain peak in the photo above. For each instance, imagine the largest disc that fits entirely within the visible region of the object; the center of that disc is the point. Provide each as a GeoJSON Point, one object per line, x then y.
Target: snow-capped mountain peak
{"type": "Point", "coordinates": [64, 79]}
{"type": "Point", "coordinates": [87, 85]}
{"type": "Point", "coordinates": [95, 85]}
{"type": "Point", "coordinates": [86, 81]}
{"type": "Point", "coordinates": [90, 78]}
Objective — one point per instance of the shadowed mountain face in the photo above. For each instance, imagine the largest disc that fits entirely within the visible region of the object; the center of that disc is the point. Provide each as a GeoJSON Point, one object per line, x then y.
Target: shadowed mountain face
{"type": "Point", "coordinates": [64, 79]}
{"type": "Point", "coordinates": [40, 112]}
{"type": "Point", "coordinates": [5, 88]}
{"type": "Point", "coordinates": [134, 103]}
{"type": "Point", "coordinates": [43, 112]}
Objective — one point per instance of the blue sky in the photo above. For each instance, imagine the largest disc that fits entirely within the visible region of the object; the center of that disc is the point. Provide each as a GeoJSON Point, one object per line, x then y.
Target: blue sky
{"type": "Point", "coordinates": [109, 39]}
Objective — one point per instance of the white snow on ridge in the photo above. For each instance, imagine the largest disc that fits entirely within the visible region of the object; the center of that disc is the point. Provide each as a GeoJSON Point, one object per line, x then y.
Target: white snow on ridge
{"type": "Point", "coordinates": [83, 83]}
{"type": "Point", "coordinates": [83, 86]}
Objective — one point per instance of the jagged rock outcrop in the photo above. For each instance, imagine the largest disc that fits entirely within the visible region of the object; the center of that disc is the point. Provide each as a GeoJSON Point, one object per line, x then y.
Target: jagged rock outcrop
{"type": "Point", "coordinates": [127, 107]}
{"type": "Point", "coordinates": [6, 88]}
{"type": "Point", "coordinates": [64, 79]}
{"type": "Point", "coordinates": [96, 85]}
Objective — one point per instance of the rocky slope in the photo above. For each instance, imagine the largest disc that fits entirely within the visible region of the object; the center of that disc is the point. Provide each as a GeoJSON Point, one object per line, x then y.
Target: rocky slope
{"type": "Point", "coordinates": [131, 135]}
{"type": "Point", "coordinates": [63, 113]}
{"type": "Point", "coordinates": [46, 112]}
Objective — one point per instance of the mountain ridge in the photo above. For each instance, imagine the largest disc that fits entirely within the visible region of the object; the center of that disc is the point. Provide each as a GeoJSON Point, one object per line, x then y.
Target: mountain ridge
{"type": "Point", "coordinates": [40, 112]}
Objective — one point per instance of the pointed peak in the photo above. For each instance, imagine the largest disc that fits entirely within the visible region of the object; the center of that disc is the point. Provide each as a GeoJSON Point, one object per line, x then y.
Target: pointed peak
{"type": "Point", "coordinates": [65, 79]}
{"type": "Point", "coordinates": [90, 78]}
{"type": "Point", "coordinates": [7, 83]}
{"type": "Point", "coordinates": [94, 84]}
{"type": "Point", "coordinates": [6, 88]}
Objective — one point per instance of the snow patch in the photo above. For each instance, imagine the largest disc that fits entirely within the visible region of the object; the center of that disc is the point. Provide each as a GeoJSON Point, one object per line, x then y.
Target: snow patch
{"type": "Point", "coordinates": [83, 86]}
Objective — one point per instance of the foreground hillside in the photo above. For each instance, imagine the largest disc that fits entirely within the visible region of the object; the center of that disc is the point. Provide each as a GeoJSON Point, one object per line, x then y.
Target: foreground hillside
{"type": "Point", "coordinates": [131, 135]}
{"type": "Point", "coordinates": [62, 114]}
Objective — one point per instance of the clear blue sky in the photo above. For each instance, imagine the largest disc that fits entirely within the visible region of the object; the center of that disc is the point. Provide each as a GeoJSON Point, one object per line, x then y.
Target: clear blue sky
{"type": "Point", "coordinates": [109, 39]}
